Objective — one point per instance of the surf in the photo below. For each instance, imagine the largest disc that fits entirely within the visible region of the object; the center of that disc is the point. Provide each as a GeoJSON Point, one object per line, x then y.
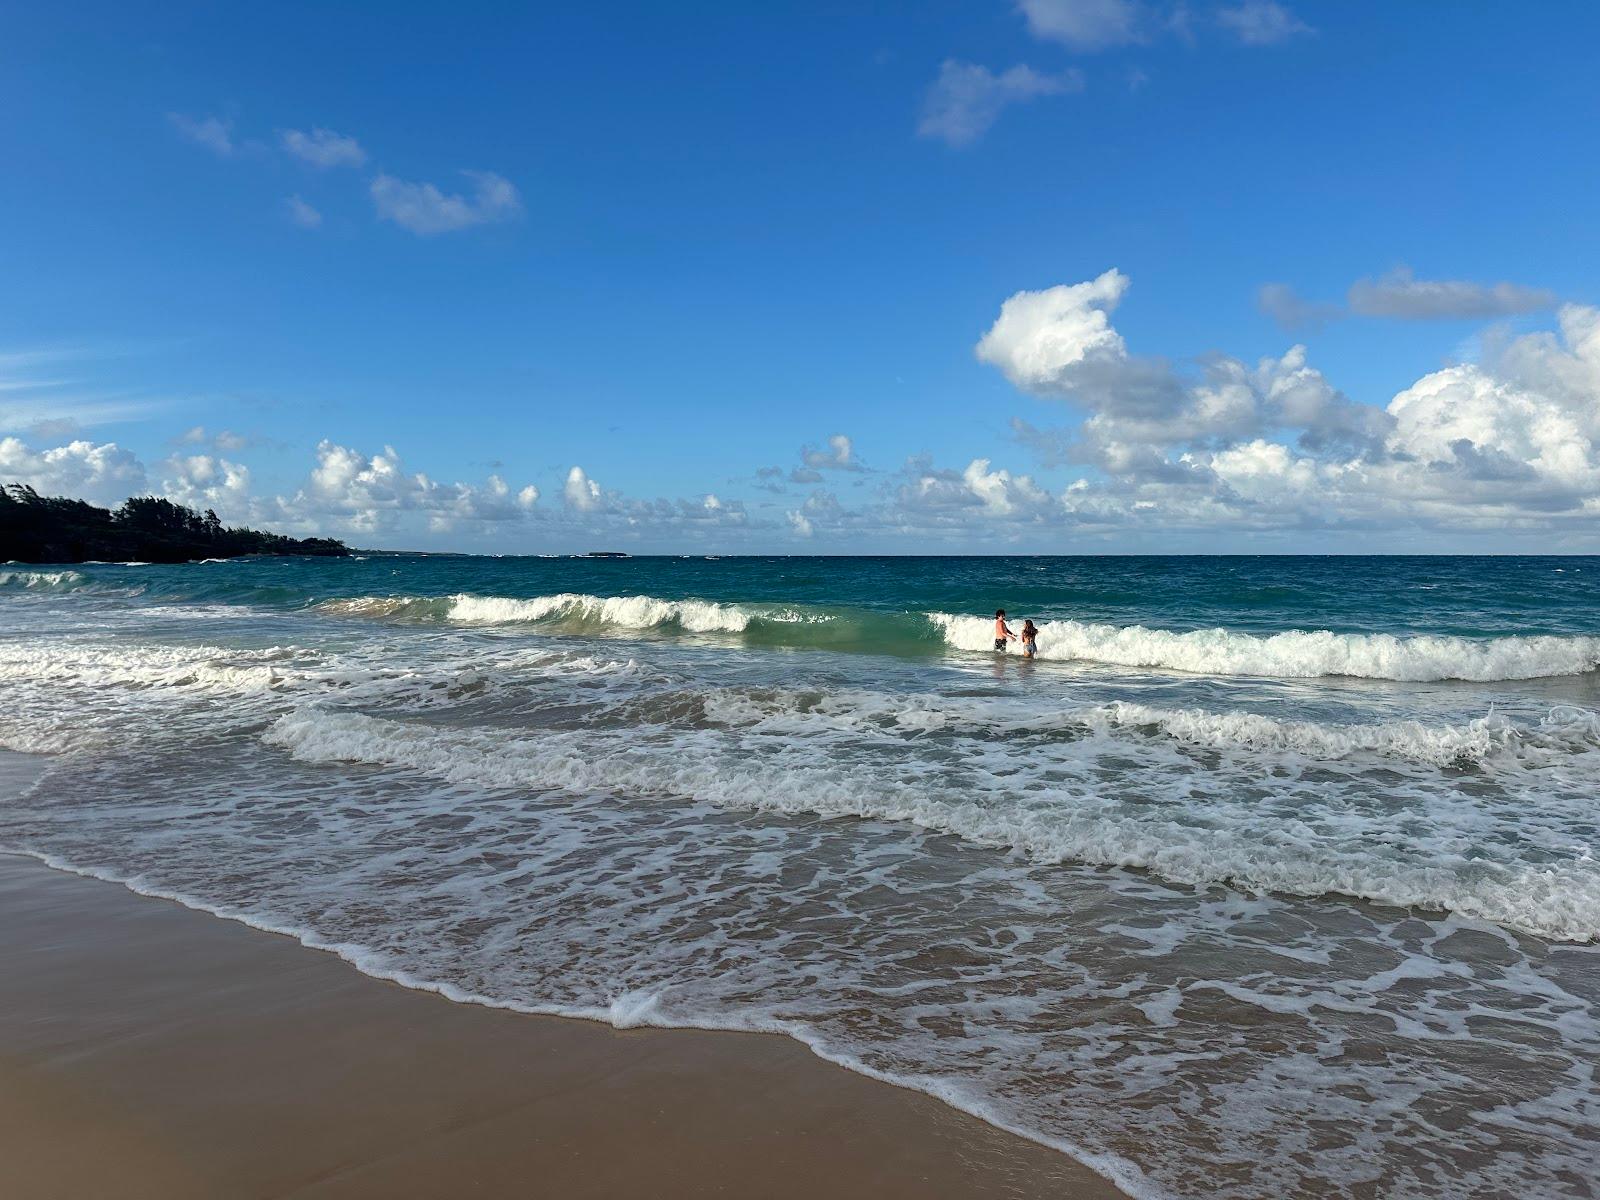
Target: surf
{"type": "Point", "coordinates": [1293, 654]}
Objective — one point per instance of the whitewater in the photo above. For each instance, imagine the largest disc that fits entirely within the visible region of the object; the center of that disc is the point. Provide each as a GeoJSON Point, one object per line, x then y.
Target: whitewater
{"type": "Point", "coordinates": [1251, 839]}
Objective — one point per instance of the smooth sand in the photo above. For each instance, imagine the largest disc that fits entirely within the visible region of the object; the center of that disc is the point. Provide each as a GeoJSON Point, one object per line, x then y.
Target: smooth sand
{"type": "Point", "coordinates": [148, 1050]}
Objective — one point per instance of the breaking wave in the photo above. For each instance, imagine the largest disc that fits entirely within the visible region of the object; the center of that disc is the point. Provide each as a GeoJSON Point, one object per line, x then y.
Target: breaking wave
{"type": "Point", "coordinates": [49, 581]}
{"type": "Point", "coordinates": [620, 612]}
{"type": "Point", "coordinates": [1295, 654]}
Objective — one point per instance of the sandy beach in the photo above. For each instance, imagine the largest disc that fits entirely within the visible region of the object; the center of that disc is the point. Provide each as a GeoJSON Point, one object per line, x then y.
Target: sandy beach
{"type": "Point", "coordinates": [148, 1050]}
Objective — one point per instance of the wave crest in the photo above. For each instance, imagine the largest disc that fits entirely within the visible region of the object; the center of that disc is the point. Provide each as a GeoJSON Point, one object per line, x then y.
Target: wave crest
{"type": "Point", "coordinates": [572, 608]}
{"type": "Point", "coordinates": [1295, 654]}
{"type": "Point", "coordinates": [50, 581]}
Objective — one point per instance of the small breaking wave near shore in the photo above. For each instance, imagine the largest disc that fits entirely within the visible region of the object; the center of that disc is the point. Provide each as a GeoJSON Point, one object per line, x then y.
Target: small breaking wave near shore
{"type": "Point", "coordinates": [1234, 845]}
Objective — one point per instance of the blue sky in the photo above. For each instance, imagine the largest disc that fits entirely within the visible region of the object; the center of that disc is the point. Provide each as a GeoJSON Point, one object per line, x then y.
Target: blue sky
{"type": "Point", "coordinates": [671, 246]}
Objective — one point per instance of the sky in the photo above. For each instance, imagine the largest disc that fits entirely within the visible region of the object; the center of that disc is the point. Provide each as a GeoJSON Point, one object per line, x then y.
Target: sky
{"type": "Point", "coordinates": [1045, 276]}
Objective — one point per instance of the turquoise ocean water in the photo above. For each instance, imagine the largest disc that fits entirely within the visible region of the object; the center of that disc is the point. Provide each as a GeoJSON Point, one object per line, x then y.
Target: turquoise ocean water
{"type": "Point", "coordinates": [1271, 877]}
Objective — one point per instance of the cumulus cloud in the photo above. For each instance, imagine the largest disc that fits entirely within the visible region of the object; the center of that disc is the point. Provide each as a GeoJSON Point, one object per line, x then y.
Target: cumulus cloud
{"type": "Point", "coordinates": [423, 209]}
{"type": "Point", "coordinates": [213, 133]}
{"type": "Point", "coordinates": [591, 511]}
{"type": "Point", "coordinates": [1512, 442]}
{"type": "Point", "coordinates": [101, 472]}
{"type": "Point", "coordinates": [1085, 24]}
{"type": "Point", "coordinates": [994, 493]}
{"type": "Point", "coordinates": [966, 99]}
{"type": "Point", "coordinates": [1401, 294]}
{"type": "Point", "coordinates": [581, 492]}
{"type": "Point", "coordinates": [1261, 22]}
{"type": "Point", "coordinates": [303, 214]}
{"type": "Point", "coordinates": [369, 493]}
{"type": "Point", "coordinates": [1040, 338]}
{"type": "Point", "coordinates": [324, 148]}
{"type": "Point", "coordinates": [205, 481]}
{"type": "Point", "coordinates": [837, 455]}
{"type": "Point", "coordinates": [353, 494]}
{"type": "Point", "coordinates": [1061, 343]}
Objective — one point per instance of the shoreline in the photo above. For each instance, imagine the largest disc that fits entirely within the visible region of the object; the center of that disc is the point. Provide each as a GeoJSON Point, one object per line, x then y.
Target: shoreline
{"type": "Point", "coordinates": [150, 1049]}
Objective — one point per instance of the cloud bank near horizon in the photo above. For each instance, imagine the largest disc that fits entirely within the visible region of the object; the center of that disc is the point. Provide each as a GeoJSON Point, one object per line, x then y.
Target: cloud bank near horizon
{"type": "Point", "coordinates": [1236, 449]}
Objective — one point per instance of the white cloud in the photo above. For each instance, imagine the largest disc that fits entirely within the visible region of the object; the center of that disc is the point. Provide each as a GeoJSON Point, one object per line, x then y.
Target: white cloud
{"type": "Point", "coordinates": [373, 493]}
{"type": "Point", "coordinates": [303, 214]}
{"type": "Point", "coordinates": [800, 523]}
{"type": "Point", "coordinates": [1401, 294]}
{"type": "Point", "coordinates": [104, 473]}
{"type": "Point", "coordinates": [839, 455]}
{"type": "Point", "coordinates": [324, 148]}
{"type": "Point", "coordinates": [836, 454]}
{"type": "Point", "coordinates": [1040, 337]}
{"type": "Point", "coordinates": [424, 209]}
{"type": "Point", "coordinates": [1513, 442]}
{"type": "Point", "coordinates": [205, 481]}
{"type": "Point", "coordinates": [966, 99]}
{"type": "Point", "coordinates": [1261, 22]}
{"type": "Point", "coordinates": [581, 492]}
{"type": "Point", "coordinates": [1085, 24]}
{"type": "Point", "coordinates": [993, 493]}
{"type": "Point", "coordinates": [215, 134]}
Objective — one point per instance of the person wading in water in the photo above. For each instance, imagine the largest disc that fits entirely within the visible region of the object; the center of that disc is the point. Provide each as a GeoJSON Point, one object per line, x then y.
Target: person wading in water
{"type": "Point", "coordinates": [1002, 631]}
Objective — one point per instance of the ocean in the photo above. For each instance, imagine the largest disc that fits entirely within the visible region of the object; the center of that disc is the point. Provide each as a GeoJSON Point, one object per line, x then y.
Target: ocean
{"type": "Point", "coordinates": [1270, 877]}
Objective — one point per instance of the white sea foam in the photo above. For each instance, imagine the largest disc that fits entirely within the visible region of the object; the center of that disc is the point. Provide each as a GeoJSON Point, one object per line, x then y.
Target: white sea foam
{"type": "Point", "coordinates": [1295, 654]}
{"type": "Point", "coordinates": [1227, 840]}
{"type": "Point", "coordinates": [617, 612]}
{"type": "Point", "coordinates": [621, 612]}
{"type": "Point", "coordinates": [1563, 731]}
{"type": "Point", "coordinates": [201, 667]}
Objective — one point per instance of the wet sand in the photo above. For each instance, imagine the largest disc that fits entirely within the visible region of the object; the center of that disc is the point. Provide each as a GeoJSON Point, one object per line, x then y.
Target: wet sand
{"type": "Point", "coordinates": [151, 1051]}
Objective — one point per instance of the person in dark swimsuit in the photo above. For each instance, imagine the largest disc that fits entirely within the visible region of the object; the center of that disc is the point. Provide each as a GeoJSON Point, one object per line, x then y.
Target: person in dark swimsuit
{"type": "Point", "coordinates": [1002, 631]}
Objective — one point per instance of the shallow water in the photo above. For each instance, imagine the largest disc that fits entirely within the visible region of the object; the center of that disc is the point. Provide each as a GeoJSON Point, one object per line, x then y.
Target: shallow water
{"type": "Point", "coordinates": [1275, 877]}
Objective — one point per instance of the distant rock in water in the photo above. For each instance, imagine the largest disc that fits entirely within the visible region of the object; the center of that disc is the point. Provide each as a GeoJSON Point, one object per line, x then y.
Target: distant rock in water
{"type": "Point", "coordinates": [54, 529]}
{"type": "Point", "coordinates": [608, 554]}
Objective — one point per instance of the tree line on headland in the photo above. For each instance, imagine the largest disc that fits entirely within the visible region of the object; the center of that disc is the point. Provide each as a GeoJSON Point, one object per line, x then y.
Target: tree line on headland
{"type": "Point", "coordinates": [54, 529]}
